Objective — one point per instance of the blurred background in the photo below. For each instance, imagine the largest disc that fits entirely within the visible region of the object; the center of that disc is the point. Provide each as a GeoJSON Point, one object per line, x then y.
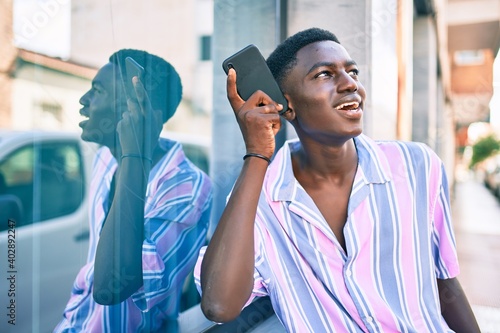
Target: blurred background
{"type": "Point", "coordinates": [429, 67]}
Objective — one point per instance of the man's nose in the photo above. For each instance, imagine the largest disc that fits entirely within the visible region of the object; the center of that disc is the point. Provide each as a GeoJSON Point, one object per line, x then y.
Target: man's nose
{"type": "Point", "coordinates": [84, 100]}
{"type": "Point", "coordinates": [347, 83]}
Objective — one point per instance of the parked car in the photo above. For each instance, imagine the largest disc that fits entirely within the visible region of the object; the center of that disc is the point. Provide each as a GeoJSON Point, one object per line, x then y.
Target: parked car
{"type": "Point", "coordinates": [492, 174]}
{"type": "Point", "coordinates": [43, 225]}
{"type": "Point", "coordinates": [44, 179]}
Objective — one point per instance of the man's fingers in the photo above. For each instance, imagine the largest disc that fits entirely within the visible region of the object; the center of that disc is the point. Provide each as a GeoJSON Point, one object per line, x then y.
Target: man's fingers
{"type": "Point", "coordinates": [273, 120]}
{"type": "Point", "coordinates": [133, 106]}
{"type": "Point", "coordinates": [258, 98]}
{"type": "Point", "coordinates": [142, 96]}
{"type": "Point", "coordinates": [276, 125]}
{"type": "Point", "coordinates": [262, 103]}
{"type": "Point", "coordinates": [232, 92]}
{"type": "Point", "coordinates": [267, 105]}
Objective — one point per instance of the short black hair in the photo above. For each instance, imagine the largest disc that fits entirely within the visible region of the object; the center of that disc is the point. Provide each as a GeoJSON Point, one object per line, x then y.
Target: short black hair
{"type": "Point", "coordinates": [161, 80]}
{"type": "Point", "coordinates": [284, 57]}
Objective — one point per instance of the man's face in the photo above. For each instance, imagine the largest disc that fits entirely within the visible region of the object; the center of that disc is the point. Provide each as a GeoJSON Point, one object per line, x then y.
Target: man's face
{"type": "Point", "coordinates": [103, 105]}
{"type": "Point", "coordinates": [324, 92]}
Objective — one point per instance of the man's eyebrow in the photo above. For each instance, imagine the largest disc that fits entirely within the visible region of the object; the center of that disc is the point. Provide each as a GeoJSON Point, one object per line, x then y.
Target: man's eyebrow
{"type": "Point", "coordinates": [97, 83]}
{"type": "Point", "coordinates": [348, 63]}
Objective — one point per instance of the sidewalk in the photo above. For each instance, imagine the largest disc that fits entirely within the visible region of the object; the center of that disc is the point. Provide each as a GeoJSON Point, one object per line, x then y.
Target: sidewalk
{"type": "Point", "coordinates": [476, 217]}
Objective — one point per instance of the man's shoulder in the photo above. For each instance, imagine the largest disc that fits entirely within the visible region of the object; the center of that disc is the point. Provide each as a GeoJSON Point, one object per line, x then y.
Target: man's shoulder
{"type": "Point", "coordinates": [174, 158]}
{"type": "Point", "coordinates": [393, 143]}
{"type": "Point", "coordinates": [410, 148]}
{"type": "Point", "coordinates": [416, 155]}
{"type": "Point", "coordinates": [177, 167]}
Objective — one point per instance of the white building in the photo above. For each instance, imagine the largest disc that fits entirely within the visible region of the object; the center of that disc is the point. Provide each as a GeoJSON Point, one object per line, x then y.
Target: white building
{"type": "Point", "coordinates": [85, 33]}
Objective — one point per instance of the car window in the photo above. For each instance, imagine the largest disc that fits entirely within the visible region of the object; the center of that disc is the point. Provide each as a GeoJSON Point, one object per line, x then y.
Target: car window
{"type": "Point", "coordinates": [198, 155]}
{"type": "Point", "coordinates": [47, 178]}
{"type": "Point", "coordinates": [17, 169]}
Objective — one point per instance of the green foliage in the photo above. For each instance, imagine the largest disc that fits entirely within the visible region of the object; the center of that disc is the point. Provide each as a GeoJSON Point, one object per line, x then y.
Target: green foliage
{"type": "Point", "coordinates": [484, 148]}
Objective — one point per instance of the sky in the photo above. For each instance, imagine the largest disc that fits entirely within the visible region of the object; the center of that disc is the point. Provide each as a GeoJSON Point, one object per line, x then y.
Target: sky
{"type": "Point", "coordinates": [43, 26]}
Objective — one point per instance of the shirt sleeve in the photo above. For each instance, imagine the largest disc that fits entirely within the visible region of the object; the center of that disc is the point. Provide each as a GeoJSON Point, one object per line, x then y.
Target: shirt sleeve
{"type": "Point", "coordinates": [175, 228]}
{"type": "Point", "coordinates": [445, 254]}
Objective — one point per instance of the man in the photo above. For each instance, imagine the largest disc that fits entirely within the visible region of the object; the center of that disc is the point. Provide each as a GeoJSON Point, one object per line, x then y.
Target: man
{"type": "Point", "coordinates": [149, 205]}
{"type": "Point", "coordinates": [344, 234]}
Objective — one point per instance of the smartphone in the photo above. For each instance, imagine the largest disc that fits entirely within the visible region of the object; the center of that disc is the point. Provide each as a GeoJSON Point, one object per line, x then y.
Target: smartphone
{"type": "Point", "coordinates": [132, 68]}
{"type": "Point", "coordinates": [252, 74]}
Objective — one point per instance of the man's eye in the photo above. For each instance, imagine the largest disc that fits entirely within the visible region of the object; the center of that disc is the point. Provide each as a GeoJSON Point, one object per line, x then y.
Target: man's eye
{"type": "Point", "coordinates": [324, 74]}
{"type": "Point", "coordinates": [354, 72]}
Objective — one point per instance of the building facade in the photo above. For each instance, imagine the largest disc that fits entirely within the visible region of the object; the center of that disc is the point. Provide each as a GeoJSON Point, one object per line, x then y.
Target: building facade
{"type": "Point", "coordinates": [180, 32]}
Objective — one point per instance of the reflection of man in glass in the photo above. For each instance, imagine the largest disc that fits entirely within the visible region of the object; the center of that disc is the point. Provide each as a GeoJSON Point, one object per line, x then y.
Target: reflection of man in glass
{"type": "Point", "coordinates": [149, 205]}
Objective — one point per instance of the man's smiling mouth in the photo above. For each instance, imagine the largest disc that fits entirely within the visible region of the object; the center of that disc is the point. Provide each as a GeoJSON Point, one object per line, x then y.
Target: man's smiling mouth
{"type": "Point", "coordinates": [350, 110]}
{"type": "Point", "coordinates": [348, 106]}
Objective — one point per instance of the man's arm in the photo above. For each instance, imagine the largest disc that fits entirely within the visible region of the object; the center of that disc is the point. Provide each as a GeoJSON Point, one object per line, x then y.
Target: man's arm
{"type": "Point", "coordinates": [228, 265]}
{"type": "Point", "coordinates": [455, 307]}
{"type": "Point", "coordinates": [118, 262]}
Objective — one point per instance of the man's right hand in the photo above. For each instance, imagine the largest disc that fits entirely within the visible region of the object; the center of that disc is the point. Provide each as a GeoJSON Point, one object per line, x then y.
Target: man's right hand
{"type": "Point", "coordinates": [141, 125]}
{"type": "Point", "coordinates": [258, 118]}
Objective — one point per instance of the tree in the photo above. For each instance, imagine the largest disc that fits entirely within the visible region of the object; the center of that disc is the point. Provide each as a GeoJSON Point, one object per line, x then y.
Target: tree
{"type": "Point", "coordinates": [484, 148]}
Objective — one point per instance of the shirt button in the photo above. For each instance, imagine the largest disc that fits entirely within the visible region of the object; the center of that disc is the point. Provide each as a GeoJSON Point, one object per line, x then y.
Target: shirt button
{"type": "Point", "coordinates": [369, 319]}
{"type": "Point", "coordinates": [348, 273]}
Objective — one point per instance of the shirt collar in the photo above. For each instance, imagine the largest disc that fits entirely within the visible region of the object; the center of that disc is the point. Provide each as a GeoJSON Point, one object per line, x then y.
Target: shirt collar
{"type": "Point", "coordinates": [373, 168]}
{"type": "Point", "coordinates": [372, 161]}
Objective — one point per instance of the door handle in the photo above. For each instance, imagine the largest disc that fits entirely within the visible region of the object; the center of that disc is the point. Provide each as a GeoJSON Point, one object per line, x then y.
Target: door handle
{"type": "Point", "coordinates": [84, 235]}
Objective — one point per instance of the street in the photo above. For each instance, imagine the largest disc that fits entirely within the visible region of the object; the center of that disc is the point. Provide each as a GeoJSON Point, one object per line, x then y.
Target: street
{"type": "Point", "coordinates": [476, 217]}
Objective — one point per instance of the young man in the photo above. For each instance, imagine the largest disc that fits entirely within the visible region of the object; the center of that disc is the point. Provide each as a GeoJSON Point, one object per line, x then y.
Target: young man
{"type": "Point", "coordinates": [344, 234]}
{"type": "Point", "coordinates": [149, 205]}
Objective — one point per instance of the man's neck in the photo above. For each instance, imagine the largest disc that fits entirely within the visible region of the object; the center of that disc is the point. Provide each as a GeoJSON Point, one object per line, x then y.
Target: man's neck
{"type": "Point", "coordinates": [326, 164]}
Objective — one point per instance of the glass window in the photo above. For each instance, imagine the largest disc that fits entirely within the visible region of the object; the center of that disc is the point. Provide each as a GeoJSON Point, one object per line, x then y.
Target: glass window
{"type": "Point", "coordinates": [47, 178]}
{"type": "Point", "coordinates": [198, 155]}
{"type": "Point", "coordinates": [206, 42]}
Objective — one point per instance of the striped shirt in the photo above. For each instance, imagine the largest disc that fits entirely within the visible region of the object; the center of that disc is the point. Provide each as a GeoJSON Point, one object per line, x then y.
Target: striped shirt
{"type": "Point", "coordinates": [398, 237]}
{"type": "Point", "coordinates": [177, 209]}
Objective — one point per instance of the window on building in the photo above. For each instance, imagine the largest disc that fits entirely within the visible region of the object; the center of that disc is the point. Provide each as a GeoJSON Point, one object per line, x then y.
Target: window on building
{"type": "Point", "coordinates": [469, 57]}
{"type": "Point", "coordinates": [53, 109]}
{"type": "Point", "coordinates": [205, 47]}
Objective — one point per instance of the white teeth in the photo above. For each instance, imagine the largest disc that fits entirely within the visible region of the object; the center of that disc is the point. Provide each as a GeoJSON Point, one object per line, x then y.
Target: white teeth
{"type": "Point", "coordinates": [341, 106]}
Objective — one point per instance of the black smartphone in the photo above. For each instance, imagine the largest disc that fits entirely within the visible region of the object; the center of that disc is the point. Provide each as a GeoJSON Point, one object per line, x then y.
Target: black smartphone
{"type": "Point", "coordinates": [252, 74]}
{"type": "Point", "coordinates": [132, 68]}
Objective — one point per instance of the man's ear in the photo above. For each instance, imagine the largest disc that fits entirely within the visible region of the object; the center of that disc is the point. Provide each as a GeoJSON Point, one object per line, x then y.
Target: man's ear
{"type": "Point", "coordinates": [289, 114]}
